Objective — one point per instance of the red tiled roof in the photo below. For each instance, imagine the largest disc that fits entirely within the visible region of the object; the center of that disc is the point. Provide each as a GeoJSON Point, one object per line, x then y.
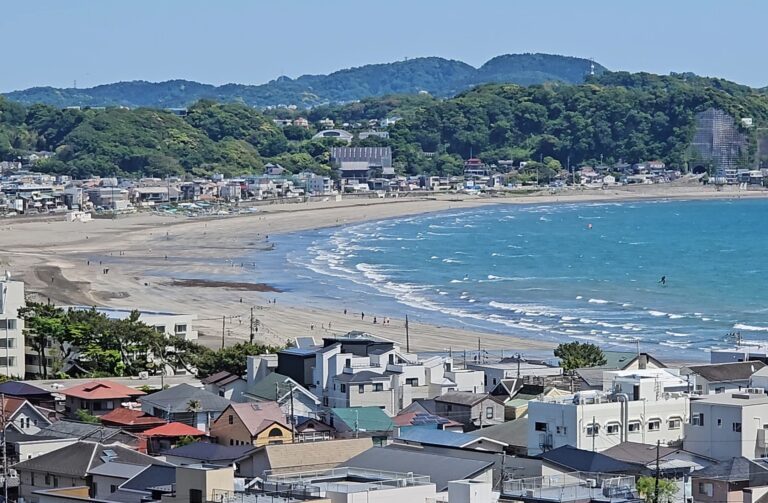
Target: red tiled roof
{"type": "Point", "coordinates": [130, 417]}
{"type": "Point", "coordinates": [12, 404]}
{"type": "Point", "coordinates": [101, 390]}
{"type": "Point", "coordinates": [174, 430]}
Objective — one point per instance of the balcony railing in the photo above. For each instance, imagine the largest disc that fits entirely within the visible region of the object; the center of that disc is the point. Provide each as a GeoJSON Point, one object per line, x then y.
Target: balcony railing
{"type": "Point", "coordinates": [571, 487]}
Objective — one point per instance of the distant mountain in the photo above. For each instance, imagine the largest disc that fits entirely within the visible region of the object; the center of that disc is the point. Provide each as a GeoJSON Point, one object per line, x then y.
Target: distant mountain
{"type": "Point", "coordinates": [437, 76]}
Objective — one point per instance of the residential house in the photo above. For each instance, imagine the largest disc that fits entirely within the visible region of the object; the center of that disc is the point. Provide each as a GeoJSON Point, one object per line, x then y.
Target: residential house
{"type": "Point", "coordinates": [727, 481]}
{"type": "Point", "coordinates": [646, 406]}
{"type": "Point", "coordinates": [513, 433]}
{"type": "Point", "coordinates": [105, 479]}
{"type": "Point", "coordinates": [225, 384]}
{"type": "Point", "coordinates": [69, 466]}
{"type": "Point", "coordinates": [313, 430]}
{"type": "Point", "coordinates": [515, 398]}
{"type": "Point", "coordinates": [97, 397]}
{"type": "Point", "coordinates": [161, 438]}
{"type": "Point", "coordinates": [35, 395]}
{"type": "Point", "coordinates": [355, 422]}
{"type": "Point", "coordinates": [513, 369]}
{"type": "Point", "coordinates": [473, 410]}
{"type": "Point", "coordinates": [202, 483]}
{"type": "Point", "coordinates": [441, 469]}
{"type": "Point", "coordinates": [407, 420]}
{"type": "Point", "coordinates": [21, 446]}
{"type": "Point", "coordinates": [256, 423]}
{"type": "Point", "coordinates": [292, 397]}
{"type": "Point", "coordinates": [11, 327]}
{"type": "Point", "coordinates": [301, 457]}
{"type": "Point", "coordinates": [149, 484]}
{"type": "Point", "coordinates": [721, 377]}
{"type": "Point", "coordinates": [22, 416]}
{"type": "Point", "coordinates": [185, 404]}
{"type": "Point", "coordinates": [743, 352]}
{"type": "Point", "coordinates": [728, 425]}
{"type": "Point", "coordinates": [135, 420]}
{"type": "Point", "coordinates": [66, 429]}
{"type": "Point", "coordinates": [452, 439]}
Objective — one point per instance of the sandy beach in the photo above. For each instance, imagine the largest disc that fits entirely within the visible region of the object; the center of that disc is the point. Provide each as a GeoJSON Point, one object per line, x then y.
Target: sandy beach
{"type": "Point", "coordinates": [143, 253]}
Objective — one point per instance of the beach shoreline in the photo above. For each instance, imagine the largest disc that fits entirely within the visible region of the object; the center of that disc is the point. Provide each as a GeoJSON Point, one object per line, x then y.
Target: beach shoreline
{"type": "Point", "coordinates": [145, 256]}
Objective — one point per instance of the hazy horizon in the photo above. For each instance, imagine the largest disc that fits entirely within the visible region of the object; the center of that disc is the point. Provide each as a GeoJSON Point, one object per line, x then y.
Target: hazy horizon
{"type": "Point", "coordinates": [95, 43]}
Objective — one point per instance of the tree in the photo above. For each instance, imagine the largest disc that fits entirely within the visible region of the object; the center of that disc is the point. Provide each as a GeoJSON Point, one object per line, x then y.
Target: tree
{"type": "Point", "coordinates": [574, 355]}
{"type": "Point", "coordinates": [646, 486]}
{"type": "Point", "coordinates": [86, 417]}
{"type": "Point", "coordinates": [44, 324]}
{"type": "Point", "coordinates": [232, 359]}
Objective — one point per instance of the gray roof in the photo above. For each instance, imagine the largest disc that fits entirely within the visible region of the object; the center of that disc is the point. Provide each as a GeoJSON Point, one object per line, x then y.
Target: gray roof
{"type": "Point", "coordinates": [77, 459]}
{"type": "Point", "coordinates": [443, 438]}
{"type": "Point", "coordinates": [510, 432]}
{"type": "Point", "coordinates": [724, 372]}
{"type": "Point", "coordinates": [151, 476]}
{"type": "Point", "coordinates": [440, 468]}
{"type": "Point", "coordinates": [117, 470]}
{"type": "Point", "coordinates": [462, 398]}
{"type": "Point", "coordinates": [733, 470]}
{"type": "Point", "coordinates": [364, 376]}
{"type": "Point", "coordinates": [207, 452]}
{"type": "Point", "coordinates": [635, 452]}
{"type": "Point", "coordinates": [87, 431]}
{"type": "Point", "coordinates": [580, 460]}
{"type": "Point", "coordinates": [177, 399]}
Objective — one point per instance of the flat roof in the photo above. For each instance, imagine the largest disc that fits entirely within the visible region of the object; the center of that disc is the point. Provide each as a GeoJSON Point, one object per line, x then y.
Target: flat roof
{"type": "Point", "coordinates": [116, 313]}
{"type": "Point", "coordinates": [730, 399]}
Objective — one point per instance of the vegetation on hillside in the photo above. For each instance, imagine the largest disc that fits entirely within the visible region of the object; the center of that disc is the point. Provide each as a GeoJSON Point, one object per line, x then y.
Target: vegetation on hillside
{"type": "Point", "coordinates": [614, 117]}
{"type": "Point", "coordinates": [437, 76]}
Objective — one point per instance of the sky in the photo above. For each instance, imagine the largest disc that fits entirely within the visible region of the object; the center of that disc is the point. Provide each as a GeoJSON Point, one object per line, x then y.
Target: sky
{"type": "Point", "coordinates": [91, 42]}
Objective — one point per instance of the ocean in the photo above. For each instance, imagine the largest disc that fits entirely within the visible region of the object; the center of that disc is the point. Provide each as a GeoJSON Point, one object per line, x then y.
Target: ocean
{"type": "Point", "coordinates": [566, 272]}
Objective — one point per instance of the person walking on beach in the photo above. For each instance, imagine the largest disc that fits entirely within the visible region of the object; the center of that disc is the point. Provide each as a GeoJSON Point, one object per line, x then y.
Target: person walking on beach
{"type": "Point", "coordinates": [374, 320]}
{"type": "Point", "coordinates": [362, 316]}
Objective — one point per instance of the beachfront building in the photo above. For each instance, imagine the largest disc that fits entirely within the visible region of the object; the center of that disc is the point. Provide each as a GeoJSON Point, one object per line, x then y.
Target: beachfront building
{"type": "Point", "coordinates": [11, 327]}
{"type": "Point", "coordinates": [513, 368]}
{"type": "Point", "coordinates": [729, 425]}
{"type": "Point", "coordinates": [721, 377]}
{"type": "Point", "coordinates": [358, 164]}
{"type": "Point", "coordinates": [646, 406]}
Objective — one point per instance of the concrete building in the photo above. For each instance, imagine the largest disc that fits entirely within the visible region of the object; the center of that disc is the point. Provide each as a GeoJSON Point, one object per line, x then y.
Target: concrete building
{"type": "Point", "coordinates": [721, 377]}
{"type": "Point", "coordinates": [729, 425]}
{"type": "Point", "coordinates": [496, 372]}
{"type": "Point", "coordinates": [12, 344]}
{"type": "Point", "coordinates": [473, 410]}
{"type": "Point", "coordinates": [645, 406]}
{"type": "Point", "coordinates": [200, 483]}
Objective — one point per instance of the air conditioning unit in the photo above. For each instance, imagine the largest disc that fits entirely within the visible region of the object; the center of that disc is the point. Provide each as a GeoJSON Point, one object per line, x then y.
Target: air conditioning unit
{"type": "Point", "coordinates": [529, 493]}
{"type": "Point", "coordinates": [755, 391]}
{"type": "Point", "coordinates": [591, 483]}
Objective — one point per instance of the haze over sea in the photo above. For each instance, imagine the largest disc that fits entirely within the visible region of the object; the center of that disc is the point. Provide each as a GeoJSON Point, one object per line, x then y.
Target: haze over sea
{"type": "Point", "coordinates": [540, 271]}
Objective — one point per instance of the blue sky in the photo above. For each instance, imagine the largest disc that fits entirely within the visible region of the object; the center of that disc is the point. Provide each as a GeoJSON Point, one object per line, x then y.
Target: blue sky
{"type": "Point", "coordinates": [47, 42]}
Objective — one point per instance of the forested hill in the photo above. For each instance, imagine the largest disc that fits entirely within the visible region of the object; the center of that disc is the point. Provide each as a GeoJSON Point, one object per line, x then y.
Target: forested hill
{"type": "Point", "coordinates": [437, 76]}
{"type": "Point", "coordinates": [617, 117]}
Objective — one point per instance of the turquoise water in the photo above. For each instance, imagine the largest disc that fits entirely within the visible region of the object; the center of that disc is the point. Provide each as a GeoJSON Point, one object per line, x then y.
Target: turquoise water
{"type": "Point", "coordinates": [540, 271]}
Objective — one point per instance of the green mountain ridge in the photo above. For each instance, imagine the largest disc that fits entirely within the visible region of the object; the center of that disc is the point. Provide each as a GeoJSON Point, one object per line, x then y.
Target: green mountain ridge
{"type": "Point", "coordinates": [437, 76]}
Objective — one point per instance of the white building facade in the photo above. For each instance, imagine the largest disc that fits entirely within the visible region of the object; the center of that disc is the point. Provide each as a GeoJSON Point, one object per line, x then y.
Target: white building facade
{"type": "Point", "coordinates": [12, 343]}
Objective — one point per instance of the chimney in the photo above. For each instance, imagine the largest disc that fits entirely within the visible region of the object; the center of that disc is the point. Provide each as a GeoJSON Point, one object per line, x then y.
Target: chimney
{"type": "Point", "coordinates": [642, 361]}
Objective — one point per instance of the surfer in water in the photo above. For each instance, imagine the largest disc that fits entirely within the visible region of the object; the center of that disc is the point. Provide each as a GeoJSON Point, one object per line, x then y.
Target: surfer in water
{"type": "Point", "coordinates": [663, 281]}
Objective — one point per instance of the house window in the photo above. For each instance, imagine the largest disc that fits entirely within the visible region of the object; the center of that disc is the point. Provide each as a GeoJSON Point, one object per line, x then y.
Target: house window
{"type": "Point", "coordinates": [540, 426]}
{"type": "Point", "coordinates": [112, 488]}
{"type": "Point", "coordinates": [412, 381]}
{"type": "Point", "coordinates": [343, 388]}
{"type": "Point", "coordinates": [10, 324]}
{"type": "Point", "coordinates": [654, 425]}
{"type": "Point", "coordinates": [110, 404]}
{"type": "Point", "coordinates": [720, 389]}
{"type": "Point", "coordinates": [706, 488]}
{"type": "Point", "coordinates": [361, 388]}
{"type": "Point", "coordinates": [736, 427]}
{"type": "Point", "coordinates": [378, 386]}
{"type": "Point", "coordinates": [593, 430]}
{"type": "Point", "coordinates": [32, 477]}
{"type": "Point", "coordinates": [489, 412]}
{"type": "Point", "coordinates": [55, 481]}
{"type": "Point", "coordinates": [719, 423]}
{"type": "Point", "coordinates": [231, 442]}
{"type": "Point", "coordinates": [231, 419]}
{"type": "Point", "coordinates": [612, 428]}
{"type": "Point", "coordinates": [9, 361]}
{"type": "Point", "coordinates": [180, 329]}
{"type": "Point", "coordinates": [562, 430]}
{"type": "Point", "coordinates": [10, 341]}
{"type": "Point", "coordinates": [633, 426]}
{"type": "Point", "coordinates": [325, 401]}
{"type": "Point", "coordinates": [698, 419]}
{"type": "Point", "coordinates": [160, 328]}
{"type": "Point", "coordinates": [674, 423]}
{"type": "Point", "coordinates": [275, 432]}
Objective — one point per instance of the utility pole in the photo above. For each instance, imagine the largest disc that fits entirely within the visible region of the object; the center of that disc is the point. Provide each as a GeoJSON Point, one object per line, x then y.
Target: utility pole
{"type": "Point", "coordinates": [594, 433]}
{"type": "Point", "coordinates": [5, 449]}
{"type": "Point", "coordinates": [252, 332]}
{"type": "Point", "coordinates": [293, 419]}
{"type": "Point", "coordinates": [223, 329]}
{"type": "Point", "coordinates": [357, 422]}
{"type": "Point", "coordinates": [518, 356]}
{"type": "Point", "coordinates": [407, 336]}
{"type": "Point", "coordinates": [656, 482]}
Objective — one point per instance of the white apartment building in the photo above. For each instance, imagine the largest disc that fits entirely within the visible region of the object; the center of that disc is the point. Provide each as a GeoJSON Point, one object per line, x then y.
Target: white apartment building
{"type": "Point", "coordinates": [644, 406]}
{"type": "Point", "coordinates": [728, 425]}
{"type": "Point", "coordinates": [385, 377]}
{"type": "Point", "coordinates": [11, 327]}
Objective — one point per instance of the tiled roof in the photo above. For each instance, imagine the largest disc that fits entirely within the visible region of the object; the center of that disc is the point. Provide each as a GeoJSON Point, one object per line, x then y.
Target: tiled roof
{"type": "Point", "coordinates": [221, 378]}
{"type": "Point", "coordinates": [117, 470]}
{"type": "Point", "coordinates": [177, 399]}
{"type": "Point", "coordinates": [315, 455]}
{"type": "Point", "coordinates": [731, 470]}
{"type": "Point", "coordinates": [421, 418]}
{"type": "Point", "coordinates": [723, 372]}
{"type": "Point", "coordinates": [270, 386]}
{"type": "Point", "coordinates": [462, 398]}
{"type": "Point", "coordinates": [206, 452]}
{"type": "Point", "coordinates": [174, 430]}
{"type": "Point", "coordinates": [130, 417]}
{"type": "Point", "coordinates": [21, 389]}
{"type": "Point", "coordinates": [101, 390]}
{"type": "Point", "coordinates": [87, 431]}
{"type": "Point", "coordinates": [257, 416]}
{"type": "Point", "coordinates": [576, 460]}
{"type": "Point", "coordinates": [364, 418]}
{"type": "Point", "coordinates": [510, 432]}
{"type": "Point", "coordinates": [151, 476]}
